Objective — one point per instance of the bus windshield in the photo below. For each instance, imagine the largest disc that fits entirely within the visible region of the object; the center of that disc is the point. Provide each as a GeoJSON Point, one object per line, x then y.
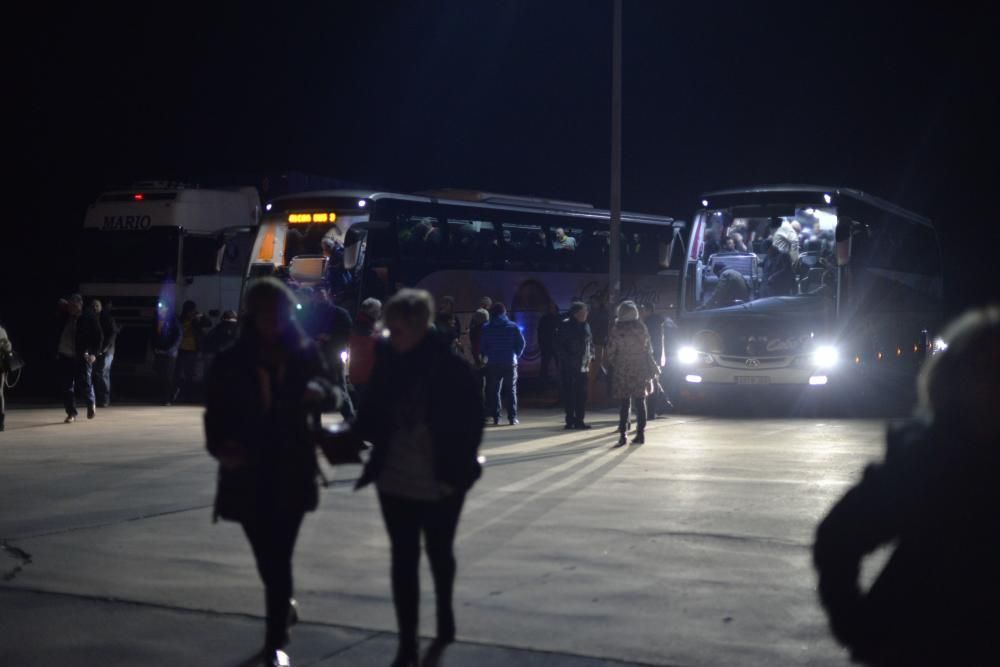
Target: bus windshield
{"type": "Point", "coordinates": [128, 256]}
{"type": "Point", "coordinates": [742, 258]}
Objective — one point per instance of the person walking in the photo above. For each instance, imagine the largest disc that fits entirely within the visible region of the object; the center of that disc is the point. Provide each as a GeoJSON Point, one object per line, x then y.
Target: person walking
{"type": "Point", "coordinates": [425, 423]}
{"type": "Point", "coordinates": [548, 326]}
{"type": "Point", "coordinates": [329, 325]}
{"type": "Point", "coordinates": [80, 341]}
{"type": "Point", "coordinates": [934, 501]}
{"type": "Point", "coordinates": [501, 345]}
{"type": "Point", "coordinates": [361, 347]}
{"type": "Point", "coordinates": [260, 395]}
{"type": "Point", "coordinates": [6, 352]}
{"type": "Point", "coordinates": [657, 401]}
{"type": "Point", "coordinates": [193, 327]}
{"type": "Point", "coordinates": [166, 340]}
{"type": "Point", "coordinates": [576, 351]}
{"type": "Point", "coordinates": [630, 356]}
{"type": "Point", "coordinates": [102, 368]}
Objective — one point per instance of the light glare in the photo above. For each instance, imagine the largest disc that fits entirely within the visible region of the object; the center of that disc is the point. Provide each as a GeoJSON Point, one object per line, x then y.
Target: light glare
{"type": "Point", "coordinates": [687, 355]}
{"type": "Point", "coordinates": [694, 379]}
{"type": "Point", "coordinates": [818, 380]}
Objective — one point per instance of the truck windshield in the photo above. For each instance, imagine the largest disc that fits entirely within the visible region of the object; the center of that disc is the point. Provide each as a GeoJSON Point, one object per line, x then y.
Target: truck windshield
{"type": "Point", "coordinates": [743, 259]}
{"type": "Point", "coordinates": [128, 256]}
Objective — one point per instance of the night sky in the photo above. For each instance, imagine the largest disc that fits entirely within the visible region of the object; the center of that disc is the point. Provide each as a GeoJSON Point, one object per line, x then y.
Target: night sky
{"type": "Point", "coordinates": [511, 97]}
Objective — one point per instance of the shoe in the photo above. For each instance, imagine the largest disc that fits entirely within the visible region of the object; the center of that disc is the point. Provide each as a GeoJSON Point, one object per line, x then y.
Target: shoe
{"type": "Point", "coordinates": [293, 612]}
{"type": "Point", "coordinates": [569, 427]}
{"type": "Point", "coordinates": [583, 427]}
{"type": "Point", "coordinates": [91, 411]}
{"type": "Point", "coordinates": [432, 658]}
{"type": "Point", "coordinates": [496, 421]}
{"type": "Point", "coordinates": [405, 660]}
{"type": "Point", "coordinates": [622, 440]}
{"type": "Point", "coordinates": [514, 422]}
{"type": "Point", "coordinates": [69, 419]}
{"type": "Point", "coordinates": [277, 658]}
{"type": "Point", "coordinates": [639, 439]}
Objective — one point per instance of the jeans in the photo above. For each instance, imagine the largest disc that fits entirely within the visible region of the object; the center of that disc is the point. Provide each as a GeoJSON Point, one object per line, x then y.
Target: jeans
{"type": "Point", "coordinates": [405, 520]}
{"type": "Point", "coordinates": [639, 405]}
{"type": "Point", "coordinates": [164, 366]}
{"type": "Point", "coordinates": [272, 537]}
{"type": "Point", "coordinates": [187, 374]}
{"type": "Point", "coordinates": [501, 380]}
{"type": "Point", "coordinates": [574, 395]}
{"type": "Point", "coordinates": [75, 374]}
{"type": "Point", "coordinates": [102, 377]}
{"type": "Point", "coordinates": [549, 358]}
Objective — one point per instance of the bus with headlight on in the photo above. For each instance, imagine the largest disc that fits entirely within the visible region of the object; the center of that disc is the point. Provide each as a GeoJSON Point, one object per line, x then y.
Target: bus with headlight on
{"type": "Point", "coordinates": [530, 253]}
{"type": "Point", "coordinates": [805, 288]}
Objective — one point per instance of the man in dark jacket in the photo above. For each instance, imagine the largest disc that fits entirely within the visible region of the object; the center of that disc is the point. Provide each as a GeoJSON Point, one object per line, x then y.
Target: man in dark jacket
{"type": "Point", "coordinates": [330, 326]}
{"type": "Point", "coordinates": [166, 342]}
{"type": "Point", "coordinates": [548, 326]}
{"type": "Point", "coordinates": [102, 369]}
{"type": "Point", "coordinates": [936, 499]}
{"type": "Point", "coordinates": [80, 341]}
{"type": "Point", "coordinates": [501, 345]}
{"type": "Point", "coordinates": [576, 350]}
{"type": "Point", "coordinates": [777, 275]}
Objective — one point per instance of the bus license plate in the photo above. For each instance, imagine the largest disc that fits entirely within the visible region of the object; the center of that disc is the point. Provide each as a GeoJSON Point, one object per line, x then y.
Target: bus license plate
{"type": "Point", "coordinates": [753, 379]}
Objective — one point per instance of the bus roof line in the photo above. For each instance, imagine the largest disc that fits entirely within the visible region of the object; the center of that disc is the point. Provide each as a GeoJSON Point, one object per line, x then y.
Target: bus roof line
{"type": "Point", "coordinates": [858, 195]}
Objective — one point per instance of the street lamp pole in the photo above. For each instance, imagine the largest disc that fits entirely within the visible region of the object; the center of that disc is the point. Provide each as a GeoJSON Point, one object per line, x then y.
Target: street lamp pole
{"type": "Point", "coordinates": [614, 264]}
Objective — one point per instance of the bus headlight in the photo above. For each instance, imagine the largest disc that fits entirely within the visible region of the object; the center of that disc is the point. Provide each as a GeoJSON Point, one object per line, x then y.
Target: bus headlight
{"type": "Point", "coordinates": [938, 345]}
{"type": "Point", "coordinates": [825, 356]}
{"type": "Point", "coordinates": [687, 355]}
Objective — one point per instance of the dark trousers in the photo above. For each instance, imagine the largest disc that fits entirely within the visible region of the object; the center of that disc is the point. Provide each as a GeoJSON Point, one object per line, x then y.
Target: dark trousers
{"type": "Point", "coordinates": [102, 377]}
{"type": "Point", "coordinates": [75, 376]}
{"type": "Point", "coordinates": [187, 374]}
{"type": "Point", "coordinates": [272, 538]}
{"type": "Point", "coordinates": [405, 520]}
{"type": "Point", "coordinates": [639, 406]}
{"type": "Point", "coordinates": [501, 381]}
{"type": "Point", "coordinates": [549, 358]}
{"type": "Point", "coordinates": [164, 366]}
{"type": "Point", "coordinates": [574, 395]}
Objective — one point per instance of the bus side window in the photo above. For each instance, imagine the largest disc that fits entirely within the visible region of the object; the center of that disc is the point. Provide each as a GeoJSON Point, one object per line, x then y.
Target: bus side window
{"type": "Point", "coordinates": [471, 240]}
{"type": "Point", "coordinates": [420, 237]}
{"type": "Point", "coordinates": [524, 246]}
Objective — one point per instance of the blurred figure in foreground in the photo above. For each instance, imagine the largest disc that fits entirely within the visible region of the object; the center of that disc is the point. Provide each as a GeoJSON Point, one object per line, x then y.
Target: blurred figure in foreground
{"type": "Point", "coordinates": [260, 393]}
{"type": "Point", "coordinates": [936, 497]}
{"type": "Point", "coordinates": [361, 346]}
{"type": "Point", "coordinates": [423, 416]}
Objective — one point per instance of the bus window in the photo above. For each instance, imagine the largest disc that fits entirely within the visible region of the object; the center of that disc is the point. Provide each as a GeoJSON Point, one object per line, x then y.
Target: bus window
{"type": "Point", "coordinates": [898, 245]}
{"type": "Point", "coordinates": [524, 246]}
{"type": "Point", "coordinates": [647, 250]}
{"type": "Point", "coordinates": [471, 240]}
{"type": "Point", "coordinates": [420, 237]}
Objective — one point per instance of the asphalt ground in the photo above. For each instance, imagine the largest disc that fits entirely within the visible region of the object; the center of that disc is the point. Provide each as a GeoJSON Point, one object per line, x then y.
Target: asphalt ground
{"type": "Point", "coordinates": [693, 549]}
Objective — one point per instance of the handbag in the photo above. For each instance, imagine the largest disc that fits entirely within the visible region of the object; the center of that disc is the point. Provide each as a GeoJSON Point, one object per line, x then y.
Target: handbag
{"type": "Point", "coordinates": [339, 445]}
{"type": "Point", "coordinates": [11, 361]}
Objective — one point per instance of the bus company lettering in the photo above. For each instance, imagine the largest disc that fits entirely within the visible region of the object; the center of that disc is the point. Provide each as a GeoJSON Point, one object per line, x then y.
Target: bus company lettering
{"type": "Point", "coordinates": [128, 223]}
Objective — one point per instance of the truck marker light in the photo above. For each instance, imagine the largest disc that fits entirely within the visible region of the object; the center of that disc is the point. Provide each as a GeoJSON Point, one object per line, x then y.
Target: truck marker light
{"type": "Point", "coordinates": [138, 196]}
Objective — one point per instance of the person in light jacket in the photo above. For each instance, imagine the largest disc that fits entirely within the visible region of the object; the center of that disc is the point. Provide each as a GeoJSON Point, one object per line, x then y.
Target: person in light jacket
{"type": "Point", "coordinates": [630, 356]}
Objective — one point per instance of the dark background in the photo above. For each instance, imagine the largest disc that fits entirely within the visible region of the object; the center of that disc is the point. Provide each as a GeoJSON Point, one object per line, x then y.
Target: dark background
{"type": "Point", "coordinates": [894, 99]}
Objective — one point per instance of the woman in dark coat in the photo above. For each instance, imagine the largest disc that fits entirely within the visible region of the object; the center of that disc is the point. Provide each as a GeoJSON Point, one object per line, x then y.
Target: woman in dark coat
{"type": "Point", "coordinates": [424, 418]}
{"type": "Point", "coordinates": [260, 392]}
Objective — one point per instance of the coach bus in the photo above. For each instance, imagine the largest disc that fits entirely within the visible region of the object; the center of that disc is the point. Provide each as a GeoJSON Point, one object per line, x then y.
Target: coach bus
{"type": "Point", "coordinates": [526, 252]}
{"type": "Point", "coordinates": [813, 289]}
{"type": "Point", "coordinates": [162, 242]}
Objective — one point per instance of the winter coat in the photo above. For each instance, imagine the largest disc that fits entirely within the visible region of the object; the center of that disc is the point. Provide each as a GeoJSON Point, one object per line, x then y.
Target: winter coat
{"type": "Point", "coordinates": [630, 356]}
{"type": "Point", "coordinates": [575, 346]}
{"type": "Point", "coordinates": [279, 470]}
{"type": "Point", "coordinates": [167, 339]}
{"type": "Point", "coordinates": [89, 337]}
{"type": "Point", "coordinates": [501, 342]}
{"type": "Point", "coordinates": [934, 603]}
{"type": "Point", "coordinates": [454, 409]}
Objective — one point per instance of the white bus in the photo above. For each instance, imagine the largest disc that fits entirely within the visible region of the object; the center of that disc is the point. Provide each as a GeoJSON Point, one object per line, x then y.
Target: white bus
{"type": "Point", "coordinates": [468, 245]}
{"type": "Point", "coordinates": [852, 310]}
{"type": "Point", "coordinates": [164, 242]}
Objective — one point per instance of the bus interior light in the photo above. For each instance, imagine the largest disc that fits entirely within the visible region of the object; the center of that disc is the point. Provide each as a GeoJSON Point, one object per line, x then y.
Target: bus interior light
{"type": "Point", "coordinates": [818, 380]}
